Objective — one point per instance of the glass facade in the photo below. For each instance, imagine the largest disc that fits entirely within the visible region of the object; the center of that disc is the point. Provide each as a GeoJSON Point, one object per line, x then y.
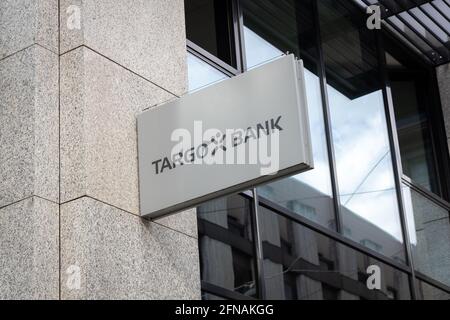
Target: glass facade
{"type": "Point", "coordinates": [218, 37]}
{"type": "Point", "coordinates": [408, 86]}
{"type": "Point", "coordinates": [201, 74]}
{"type": "Point", "coordinates": [226, 237]}
{"type": "Point", "coordinates": [308, 194]}
{"type": "Point", "coordinates": [367, 196]}
{"type": "Point", "coordinates": [304, 265]}
{"type": "Point", "coordinates": [376, 195]}
{"type": "Point", "coordinates": [429, 292]}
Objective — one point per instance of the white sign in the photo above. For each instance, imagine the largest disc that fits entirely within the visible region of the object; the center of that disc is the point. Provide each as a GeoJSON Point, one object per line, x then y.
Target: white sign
{"type": "Point", "coordinates": [226, 138]}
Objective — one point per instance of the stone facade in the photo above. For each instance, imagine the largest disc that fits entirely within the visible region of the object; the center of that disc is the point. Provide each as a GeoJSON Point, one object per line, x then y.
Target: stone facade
{"type": "Point", "coordinates": [443, 76]}
{"type": "Point", "coordinates": [69, 197]}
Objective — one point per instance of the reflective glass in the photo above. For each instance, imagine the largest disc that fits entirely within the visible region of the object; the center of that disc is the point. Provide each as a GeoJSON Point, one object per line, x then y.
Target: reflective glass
{"type": "Point", "coordinates": [408, 87]}
{"type": "Point", "coordinates": [429, 232]}
{"type": "Point", "coordinates": [301, 264]}
{"type": "Point", "coordinates": [369, 207]}
{"type": "Point", "coordinates": [226, 244]}
{"type": "Point", "coordinates": [257, 50]}
{"type": "Point", "coordinates": [308, 194]}
{"type": "Point", "coordinates": [429, 292]}
{"type": "Point", "coordinates": [201, 74]}
{"type": "Point", "coordinates": [209, 24]}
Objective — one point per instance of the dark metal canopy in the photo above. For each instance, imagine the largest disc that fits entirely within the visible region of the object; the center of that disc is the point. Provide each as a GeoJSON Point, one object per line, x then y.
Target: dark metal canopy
{"type": "Point", "coordinates": [422, 24]}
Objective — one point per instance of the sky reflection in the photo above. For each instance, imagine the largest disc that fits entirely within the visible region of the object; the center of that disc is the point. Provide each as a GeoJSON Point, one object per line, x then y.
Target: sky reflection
{"type": "Point", "coordinates": [364, 167]}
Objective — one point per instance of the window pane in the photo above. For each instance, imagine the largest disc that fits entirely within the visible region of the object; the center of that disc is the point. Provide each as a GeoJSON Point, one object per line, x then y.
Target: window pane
{"type": "Point", "coordinates": [429, 231]}
{"type": "Point", "coordinates": [225, 244]}
{"type": "Point", "coordinates": [413, 125]}
{"type": "Point", "coordinates": [429, 292]}
{"type": "Point", "coordinates": [201, 74]}
{"type": "Point", "coordinates": [368, 199]}
{"type": "Point", "coordinates": [257, 50]}
{"type": "Point", "coordinates": [271, 28]}
{"type": "Point", "coordinates": [304, 265]}
{"type": "Point", "coordinates": [209, 24]}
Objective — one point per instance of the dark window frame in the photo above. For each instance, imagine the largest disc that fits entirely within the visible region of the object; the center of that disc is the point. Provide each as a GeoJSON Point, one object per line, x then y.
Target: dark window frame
{"type": "Point", "coordinates": [434, 112]}
{"type": "Point", "coordinates": [441, 149]}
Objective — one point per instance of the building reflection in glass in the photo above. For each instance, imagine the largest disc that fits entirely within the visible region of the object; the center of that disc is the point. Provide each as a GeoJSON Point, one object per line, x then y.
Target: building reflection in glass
{"type": "Point", "coordinates": [369, 205]}
{"type": "Point", "coordinates": [302, 264]}
{"type": "Point", "coordinates": [226, 244]}
{"type": "Point", "coordinates": [308, 194]}
{"type": "Point", "coordinates": [429, 292]}
{"type": "Point", "coordinates": [298, 263]}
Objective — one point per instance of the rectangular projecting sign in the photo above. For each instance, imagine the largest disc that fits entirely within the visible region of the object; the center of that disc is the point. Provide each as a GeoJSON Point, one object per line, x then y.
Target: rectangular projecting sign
{"type": "Point", "coordinates": [226, 138]}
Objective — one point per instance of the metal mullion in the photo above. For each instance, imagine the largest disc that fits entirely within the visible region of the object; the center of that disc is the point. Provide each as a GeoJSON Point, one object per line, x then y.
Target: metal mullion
{"type": "Point", "coordinates": [327, 119]}
{"type": "Point", "coordinates": [257, 240]}
{"type": "Point", "coordinates": [435, 283]}
{"type": "Point", "coordinates": [240, 21]}
{"type": "Point", "coordinates": [236, 35]}
{"type": "Point", "coordinates": [426, 193]}
{"type": "Point", "coordinates": [210, 59]}
{"type": "Point", "coordinates": [396, 159]}
{"type": "Point", "coordinates": [250, 194]}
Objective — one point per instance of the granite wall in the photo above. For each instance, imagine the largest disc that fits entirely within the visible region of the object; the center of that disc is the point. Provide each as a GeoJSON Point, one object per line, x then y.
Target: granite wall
{"type": "Point", "coordinates": [73, 76]}
{"type": "Point", "coordinates": [443, 76]}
